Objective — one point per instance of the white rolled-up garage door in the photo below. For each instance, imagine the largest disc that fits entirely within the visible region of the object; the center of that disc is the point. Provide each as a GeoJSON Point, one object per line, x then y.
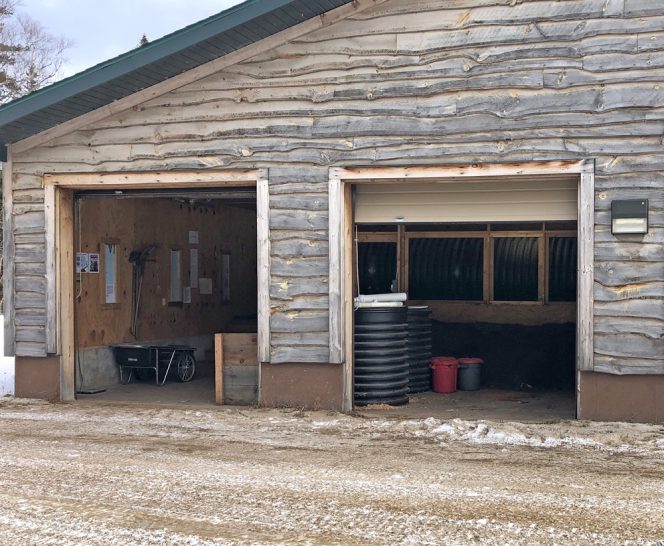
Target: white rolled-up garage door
{"type": "Point", "coordinates": [470, 200]}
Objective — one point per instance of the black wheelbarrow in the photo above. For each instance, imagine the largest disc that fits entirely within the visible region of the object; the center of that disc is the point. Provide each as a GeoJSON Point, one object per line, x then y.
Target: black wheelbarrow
{"type": "Point", "coordinates": [137, 359]}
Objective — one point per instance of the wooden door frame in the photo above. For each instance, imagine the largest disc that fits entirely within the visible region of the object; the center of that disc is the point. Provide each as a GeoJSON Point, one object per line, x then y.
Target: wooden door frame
{"type": "Point", "coordinates": [340, 184]}
{"type": "Point", "coordinates": [59, 191]}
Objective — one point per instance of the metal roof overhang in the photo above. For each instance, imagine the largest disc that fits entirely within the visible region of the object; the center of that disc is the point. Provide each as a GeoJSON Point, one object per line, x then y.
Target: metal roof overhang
{"type": "Point", "coordinates": [140, 68]}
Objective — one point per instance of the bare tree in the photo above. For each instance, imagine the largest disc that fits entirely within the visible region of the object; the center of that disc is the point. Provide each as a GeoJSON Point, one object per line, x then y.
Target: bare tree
{"type": "Point", "coordinates": [30, 57]}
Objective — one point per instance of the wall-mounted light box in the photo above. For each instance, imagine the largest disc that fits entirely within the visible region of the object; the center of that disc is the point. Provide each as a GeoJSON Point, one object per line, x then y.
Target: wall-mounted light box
{"type": "Point", "coordinates": [629, 217]}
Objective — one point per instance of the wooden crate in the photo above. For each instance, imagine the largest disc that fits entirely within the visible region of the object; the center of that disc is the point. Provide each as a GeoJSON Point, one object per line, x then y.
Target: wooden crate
{"type": "Point", "coordinates": [236, 369]}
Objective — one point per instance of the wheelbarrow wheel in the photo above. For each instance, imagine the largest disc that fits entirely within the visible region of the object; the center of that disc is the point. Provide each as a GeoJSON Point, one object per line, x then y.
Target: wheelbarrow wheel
{"type": "Point", "coordinates": [125, 375]}
{"type": "Point", "coordinates": [186, 367]}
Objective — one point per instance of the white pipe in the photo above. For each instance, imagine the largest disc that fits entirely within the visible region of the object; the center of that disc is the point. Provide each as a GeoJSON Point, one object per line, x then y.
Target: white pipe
{"type": "Point", "coordinates": [400, 296]}
{"type": "Point", "coordinates": [365, 304]}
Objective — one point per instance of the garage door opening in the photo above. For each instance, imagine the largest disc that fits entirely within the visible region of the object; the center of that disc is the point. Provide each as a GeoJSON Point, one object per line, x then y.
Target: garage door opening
{"type": "Point", "coordinates": [158, 274]}
{"type": "Point", "coordinates": [499, 263]}
{"type": "Point", "coordinates": [504, 293]}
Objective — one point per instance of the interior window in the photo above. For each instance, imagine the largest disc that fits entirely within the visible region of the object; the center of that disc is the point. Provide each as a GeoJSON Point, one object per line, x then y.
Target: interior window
{"type": "Point", "coordinates": [515, 268]}
{"type": "Point", "coordinates": [562, 268]}
{"type": "Point", "coordinates": [446, 268]}
{"type": "Point", "coordinates": [377, 267]}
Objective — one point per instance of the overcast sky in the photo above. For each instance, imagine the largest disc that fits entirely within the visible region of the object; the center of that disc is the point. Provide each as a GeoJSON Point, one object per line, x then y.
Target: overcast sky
{"type": "Point", "coordinates": [102, 29]}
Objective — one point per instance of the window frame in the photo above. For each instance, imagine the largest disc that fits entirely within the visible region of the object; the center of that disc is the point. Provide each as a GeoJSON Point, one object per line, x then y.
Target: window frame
{"type": "Point", "coordinates": [402, 238]}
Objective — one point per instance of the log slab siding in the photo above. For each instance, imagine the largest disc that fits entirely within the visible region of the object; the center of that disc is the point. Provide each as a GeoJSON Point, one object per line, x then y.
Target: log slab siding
{"type": "Point", "coordinates": [406, 82]}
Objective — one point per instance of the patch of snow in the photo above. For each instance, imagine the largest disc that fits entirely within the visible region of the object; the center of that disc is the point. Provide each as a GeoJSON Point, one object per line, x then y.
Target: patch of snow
{"type": "Point", "coordinates": [6, 365]}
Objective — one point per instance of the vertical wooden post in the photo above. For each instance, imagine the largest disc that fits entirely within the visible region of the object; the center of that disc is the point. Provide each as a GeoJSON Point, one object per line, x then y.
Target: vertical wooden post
{"type": "Point", "coordinates": [347, 293]}
{"type": "Point", "coordinates": [219, 369]}
{"type": "Point", "coordinates": [486, 272]}
{"type": "Point", "coordinates": [65, 267]}
{"type": "Point", "coordinates": [402, 259]}
{"type": "Point", "coordinates": [263, 274]}
{"type": "Point", "coordinates": [8, 255]}
{"type": "Point", "coordinates": [584, 299]}
{"type": "Point", "coordinates": [541, 268]}
{"type": "Point", "coordinates": [51, 271]}
{"type": "Point", "coordinates": [335, 223]}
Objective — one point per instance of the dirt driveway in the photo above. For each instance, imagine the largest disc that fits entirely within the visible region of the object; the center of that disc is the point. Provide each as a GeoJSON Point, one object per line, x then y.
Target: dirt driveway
{"type": "Point", "coordinates": [128, 475]}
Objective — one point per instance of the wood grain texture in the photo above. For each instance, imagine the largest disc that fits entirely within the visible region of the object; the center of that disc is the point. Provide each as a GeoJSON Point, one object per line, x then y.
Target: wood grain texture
{"type": "Point", "coordinates": [402, 83]}
{"type": "Point", "coordinates": [219, 369]}
{"type": "Point", "coordinates": [8, 259]}
{"type": "Point", "coordinates": [264, 266]}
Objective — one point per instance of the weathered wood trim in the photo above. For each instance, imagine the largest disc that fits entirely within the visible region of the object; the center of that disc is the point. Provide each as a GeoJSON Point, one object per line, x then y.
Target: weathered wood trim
{"type": "Point", "coordinates": [348, 292]}
{"type": "Point", "coordinates": [154, 179]}
{"type": "Point", "coordinates": [197, 73]}
{"type": "Point", "coordinates": [219, 369]}
{"type": "Point", "coordinates": [533, 168]}
{"type": "Point", "coordinates": [336, 227]}
{"type": "Point", "coordinates": [51, 271]}
{"type": "Point", "coordinates": [402, 258]}
{"type": "Point", "coordinates": [585, 259]}
{"type": "Point", "coordinates": [8, 255]}
{"type": "Point", "coordinates": [263, 273]}
{"type": "Point", "coordinates": [59, 212]}
{"type": "Point", "coordinates": [65, 268]}
{"type": "Point", "coordinates": [377, 237]}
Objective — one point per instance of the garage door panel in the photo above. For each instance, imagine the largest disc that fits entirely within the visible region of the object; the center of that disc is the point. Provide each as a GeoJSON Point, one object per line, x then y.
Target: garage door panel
{"type": "Point", "coordinates": [520, 200]}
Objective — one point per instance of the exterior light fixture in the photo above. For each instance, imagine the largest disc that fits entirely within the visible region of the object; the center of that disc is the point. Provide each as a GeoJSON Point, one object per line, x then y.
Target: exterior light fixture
{"type": "Point", "coordinates": [629, 217]}
{"type": "Point", "coordinates": [399, 219]}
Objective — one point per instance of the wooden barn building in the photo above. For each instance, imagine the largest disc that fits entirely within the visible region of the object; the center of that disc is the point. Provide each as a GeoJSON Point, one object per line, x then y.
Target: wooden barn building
{"type": "Point", "coordinates": [500, 161]}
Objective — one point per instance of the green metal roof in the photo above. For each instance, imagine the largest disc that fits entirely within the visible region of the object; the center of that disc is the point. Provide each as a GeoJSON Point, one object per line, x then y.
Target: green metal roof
{"type": "Point", "coordinates": [140, 68]}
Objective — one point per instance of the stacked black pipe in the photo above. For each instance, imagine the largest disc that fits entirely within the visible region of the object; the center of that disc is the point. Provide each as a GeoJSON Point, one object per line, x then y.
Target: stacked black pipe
{"type": "Point", "coordinates": [419, 349]}
{"type": "Point", "coordinates": [381, 366]}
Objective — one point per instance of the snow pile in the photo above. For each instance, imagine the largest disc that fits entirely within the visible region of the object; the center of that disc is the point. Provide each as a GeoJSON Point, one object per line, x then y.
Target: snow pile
{"type": "Point", "coordinates": [612, 437]}
{"type": "Point", "coordinates": [483, 433]}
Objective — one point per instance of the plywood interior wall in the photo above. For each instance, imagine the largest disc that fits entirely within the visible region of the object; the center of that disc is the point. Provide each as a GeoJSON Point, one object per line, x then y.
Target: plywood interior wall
{"type": "Point", "coordinates": [134, 224]}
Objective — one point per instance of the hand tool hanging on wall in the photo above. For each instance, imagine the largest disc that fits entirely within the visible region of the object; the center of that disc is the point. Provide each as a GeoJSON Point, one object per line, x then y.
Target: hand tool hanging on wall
{"type": "Point", "coordinates": [138, 259]}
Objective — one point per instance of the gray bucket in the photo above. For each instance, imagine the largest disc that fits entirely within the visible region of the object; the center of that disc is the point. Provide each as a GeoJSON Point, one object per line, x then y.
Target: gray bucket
{"type": "Point", "coordinates": [470, 374]}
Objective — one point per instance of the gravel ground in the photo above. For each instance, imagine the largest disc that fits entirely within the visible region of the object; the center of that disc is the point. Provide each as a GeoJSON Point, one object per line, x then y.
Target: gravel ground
{"type": "Point", "coordinates": [134, 475]}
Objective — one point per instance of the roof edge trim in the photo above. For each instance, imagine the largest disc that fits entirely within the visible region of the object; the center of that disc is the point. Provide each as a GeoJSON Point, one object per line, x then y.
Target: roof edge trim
{"type": "Point", "coordinates": [137, 58]}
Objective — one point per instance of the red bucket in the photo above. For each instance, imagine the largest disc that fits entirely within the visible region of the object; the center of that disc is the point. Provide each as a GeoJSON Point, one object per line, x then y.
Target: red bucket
{"type": "Point", "coordinates": [445, 374]}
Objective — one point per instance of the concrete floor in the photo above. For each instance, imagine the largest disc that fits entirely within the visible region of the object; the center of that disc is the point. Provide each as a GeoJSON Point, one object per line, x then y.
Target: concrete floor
{"type": "Point", "coordinates": [496, 405]}
{"type": "Point", "coordinates": [199, 391]}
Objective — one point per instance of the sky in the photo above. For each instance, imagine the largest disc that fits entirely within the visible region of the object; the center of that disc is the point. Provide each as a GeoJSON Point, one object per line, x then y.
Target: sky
{"type": "Point", "coordinates": [101, 29]}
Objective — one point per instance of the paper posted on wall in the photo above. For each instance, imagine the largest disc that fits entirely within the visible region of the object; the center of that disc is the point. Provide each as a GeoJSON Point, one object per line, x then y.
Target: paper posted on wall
{"type": "Point", "coordinates": [82, 262]}
{"type": "Point", "coordinates": [205, 286]}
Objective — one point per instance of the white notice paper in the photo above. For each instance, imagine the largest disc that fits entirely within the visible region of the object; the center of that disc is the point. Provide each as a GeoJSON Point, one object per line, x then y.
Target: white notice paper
{"type": "Point", "coordinates": [94, 263]}
{"type": "Point", "coordinates": [193, 267]}
{"type": "Point", "coordinates": [186, 295]}
{"type": "Point", "coordinates": [205, 286]}
{"type": "Point", "coordinates": [193, 237]}
{"type": "Point", "coordinates": [82, 262]}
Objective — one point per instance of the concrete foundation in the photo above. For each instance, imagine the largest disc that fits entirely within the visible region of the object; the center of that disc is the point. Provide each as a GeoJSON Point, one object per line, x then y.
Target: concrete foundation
{"type": "Point", "coordinates": [311, 386]}
{"type": "Point", "coordinates": [631, 398]}
{"type": "Point", "coordinates": [38, 378]}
